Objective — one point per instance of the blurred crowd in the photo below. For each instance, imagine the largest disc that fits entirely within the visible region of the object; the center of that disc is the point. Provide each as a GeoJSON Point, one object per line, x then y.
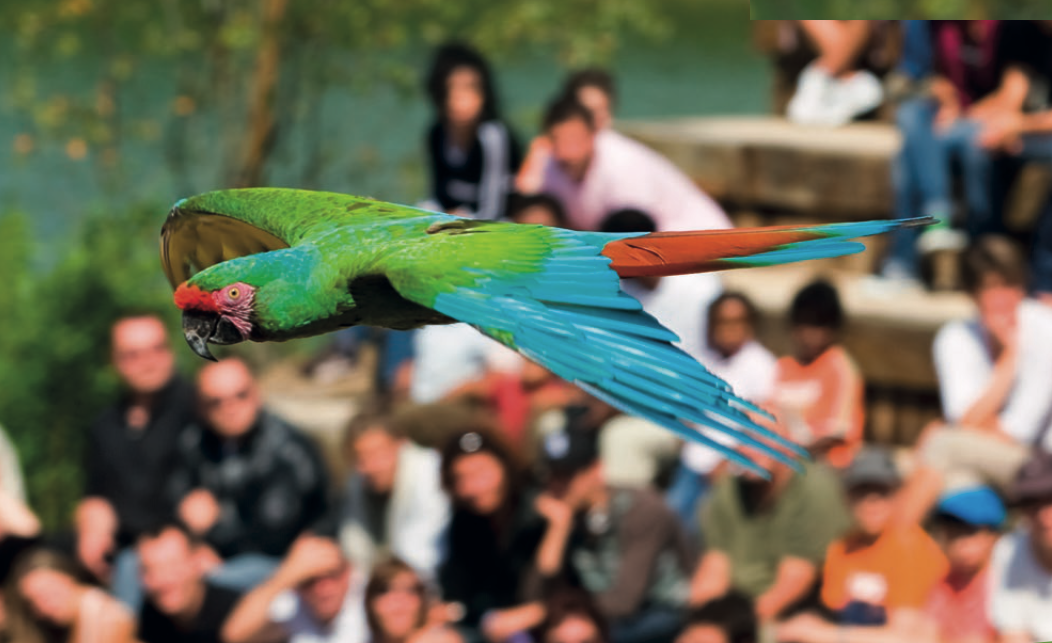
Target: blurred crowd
{"type": "Point", "coordinates": [486, 500]}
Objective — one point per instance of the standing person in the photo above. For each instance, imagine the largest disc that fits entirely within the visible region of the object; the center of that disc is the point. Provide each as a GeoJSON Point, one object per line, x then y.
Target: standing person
{"type": "Point", "coordinates": [48, 600]}
{"type": "Point", "coordinates": [180, 606]}
{"type": "Point", "coordinates": [246, 482]}
{"type": "Point", "coordinates": [131, 453]}
{"type": "Point", "coordinates": [818, 391]}
{"type": "Point", "coordinates": [472, 153]}
{"type": "Point", "coordinates": [594, 172]}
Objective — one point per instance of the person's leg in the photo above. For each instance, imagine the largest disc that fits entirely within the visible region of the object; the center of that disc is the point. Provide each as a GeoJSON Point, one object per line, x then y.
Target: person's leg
{"type": "Point", "coordinates": [977, 171]}
{"type": "Point", "coordinates": [244, 571]}
{"type": "Point", "coordinates": [127, 584]}
{"type": "Point", "coordinates": [839, 42]}
{"type": "Point", "coordinates": [916, 61]}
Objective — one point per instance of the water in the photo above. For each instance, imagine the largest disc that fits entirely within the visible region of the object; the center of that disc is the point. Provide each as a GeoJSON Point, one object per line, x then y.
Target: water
{"type": "Point", "coordinates": [373, 140]}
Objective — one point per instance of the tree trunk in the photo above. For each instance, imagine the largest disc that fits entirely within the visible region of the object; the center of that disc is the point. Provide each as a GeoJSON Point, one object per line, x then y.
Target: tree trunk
{"type": "Point", "coordinates": [260, 132]}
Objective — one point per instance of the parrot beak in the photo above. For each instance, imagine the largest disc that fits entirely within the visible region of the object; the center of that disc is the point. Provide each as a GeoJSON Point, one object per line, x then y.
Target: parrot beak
{"type": "Point", "coordinates": [198, 328]}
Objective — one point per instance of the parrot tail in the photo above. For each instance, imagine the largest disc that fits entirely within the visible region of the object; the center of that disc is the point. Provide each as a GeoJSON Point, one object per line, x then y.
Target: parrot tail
{"type": "Point", "coordinates": [662, 254]}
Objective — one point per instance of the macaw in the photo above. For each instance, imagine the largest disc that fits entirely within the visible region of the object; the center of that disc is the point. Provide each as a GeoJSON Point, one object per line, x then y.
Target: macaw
{"type": "Point", "coordinates": [270, 264]}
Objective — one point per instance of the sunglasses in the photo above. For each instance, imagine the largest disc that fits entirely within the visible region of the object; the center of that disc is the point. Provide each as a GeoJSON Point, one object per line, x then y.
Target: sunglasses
{"type": "Point", "coordinates": [213, 403]}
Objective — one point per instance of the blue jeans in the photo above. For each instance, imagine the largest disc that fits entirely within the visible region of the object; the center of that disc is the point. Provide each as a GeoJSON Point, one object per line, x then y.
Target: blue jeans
{"type": "Point", "coordinates": [916, 60]}
{"type": "Point", "coordinates": [1036, 148]}
{"type": "Point", "coordinates": [922, 175]}
{"type": "Point", "coordinates": [127, 584]}
{"type": "Point", "coordinates": [684, 495]}
{"type": "Point", "coordinates": [650, 625]}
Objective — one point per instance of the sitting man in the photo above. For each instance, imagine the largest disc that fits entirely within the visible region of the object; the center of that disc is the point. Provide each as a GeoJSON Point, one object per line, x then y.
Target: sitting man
{"type": "Point", "coordinates": [180, 606]}
{"type": "Point", "coordinates": [1020, 605]}
{"type": "Point", "coordinates": [993, 374]}
{"type": "Point", "coordinates": [394, 502]}
{"type": "Point", "coordinates": [877, 578]}
{"type": "Point", "coordinates": [767, 537]}
{"type": "Point", "coordinates": [131, 453]}
{"type": "Point", "coordinates": [625, 546]}
{"type": "Point", "coordinates": [246, 482]}
{"type": "Point", "coordinates": [315, 596]}
{"type": "Point", "coordinates": [595, 172]}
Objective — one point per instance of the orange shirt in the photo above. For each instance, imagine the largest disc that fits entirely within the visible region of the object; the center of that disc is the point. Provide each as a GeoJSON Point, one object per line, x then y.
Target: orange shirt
{"type": "Point", "coordinates": [821, 399]}
{"type": "Point", "coordinates": [898, 570]}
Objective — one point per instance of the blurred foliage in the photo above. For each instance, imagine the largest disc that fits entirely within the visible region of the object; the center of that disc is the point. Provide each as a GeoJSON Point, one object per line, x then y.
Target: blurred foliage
{"type": "Point", "coordinates": [55, 341]}
{"type": "Point", "coordinates": [895, 9]}
{"type": "Point", "coordinates": [55, 311]}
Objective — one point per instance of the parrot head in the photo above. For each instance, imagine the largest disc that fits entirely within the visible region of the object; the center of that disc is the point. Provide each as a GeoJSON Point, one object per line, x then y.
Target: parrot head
{"type": "Point", "coordinates": [220, 316]}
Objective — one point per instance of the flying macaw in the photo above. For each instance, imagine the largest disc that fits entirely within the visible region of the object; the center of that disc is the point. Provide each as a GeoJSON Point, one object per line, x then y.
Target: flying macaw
{"type": "Point", "coordinates": [269, 264]}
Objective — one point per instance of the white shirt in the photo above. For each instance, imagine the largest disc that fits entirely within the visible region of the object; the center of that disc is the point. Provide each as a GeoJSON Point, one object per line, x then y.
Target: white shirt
{"type": "Point", "coordinates": [624, 173]}
{"type": "Point", "coordinates": [1020, 589]}
{"type": "Point", "coordinates": [349, 626]}
{"type": "Point", "coordinates": [964, 366]}
{"type": "Point", "coordinates": [750, 372]}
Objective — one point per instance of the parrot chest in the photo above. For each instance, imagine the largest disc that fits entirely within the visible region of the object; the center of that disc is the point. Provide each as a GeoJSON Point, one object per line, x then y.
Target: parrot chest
{"type": "Point", "coordinates": [377, 303]}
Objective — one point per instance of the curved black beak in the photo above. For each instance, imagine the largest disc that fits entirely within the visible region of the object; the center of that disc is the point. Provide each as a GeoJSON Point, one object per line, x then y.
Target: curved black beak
{"type": "Point", "coordinates": [198, 329]}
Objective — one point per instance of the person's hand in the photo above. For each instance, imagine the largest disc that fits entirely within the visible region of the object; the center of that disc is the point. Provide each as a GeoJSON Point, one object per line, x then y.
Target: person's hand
{"type": "Point", "coordinates": [947, 115]}
{"type": "Point", "coordinates": [207, 558]}
{"type": "Point", "coordinates": [199, 510]}
{"type": "Point", "coordinates": [555, 511]}
{"type": "Point", "coordinates": [499, 625]}
{"type": "Point", "coordinates": [310, 557]}
{"type": "Point", "coordinates": [1003, 131]}
{"type": "Point", "coordinates": [805, 628]}
{"type": "Point", "coordinates": [93, 549]}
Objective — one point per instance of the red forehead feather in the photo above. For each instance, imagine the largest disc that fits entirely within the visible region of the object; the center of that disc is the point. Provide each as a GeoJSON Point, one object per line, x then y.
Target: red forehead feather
{"type": "Point", "coordinates": [194, 298]}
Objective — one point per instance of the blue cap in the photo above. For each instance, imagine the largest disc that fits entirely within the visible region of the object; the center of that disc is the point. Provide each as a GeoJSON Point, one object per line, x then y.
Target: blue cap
{"type": "Point", "coordinates": [975, 506]}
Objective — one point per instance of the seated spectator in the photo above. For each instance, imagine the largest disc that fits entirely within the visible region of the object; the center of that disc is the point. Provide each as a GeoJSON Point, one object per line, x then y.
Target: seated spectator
{"type": "Point", "coordinates": [993, 375]}
{"type": "Point", "coordinates": [493, 539]}
{"type": "Point", "coordinates": [877, 578]}
{"type": "Point", "coordinates": [537, 209]}
{"type": "Point", "coordinates": [180, 606]}
{"type": "Point", "coordinates": [834, 89]}
{"type": "Point", "coordinates": [767, 537]}
{"type": "Point", "coordinates": [594, 172]}
{"type": "Point", "coordinates": [130, 454]}
{"type": "Point", "coordinates": [978, 79]}
{"type": "Point", "coordinates": [314, 596]}
{"type": "Point", "coordinates": [817, 391]}
{"type": "Point", "coordinates": [1020, 606]}
{"type": "Point", "coordinates": [395, 602]}
{"type": "Point", "coordinates": [728, 619]}
{"type": "Point", "coordinates": [732, 353]}
{"type": "Point", "coordinates": [472, 154]}
{"type": "Point", "coordinates": [246, 482]}
{"type": "Point", "coordinates": [594, 89]}
{"type": "Point", "coordinates": [47, 599]}
{"type": "Point", "coordinates": [393, 502]}
{"type": "Point", "coordinates": [625, 546]}
{"type": "Point", "coordinates": [571, 616]}
{"type": "Point", "coordinates": [966, 525]}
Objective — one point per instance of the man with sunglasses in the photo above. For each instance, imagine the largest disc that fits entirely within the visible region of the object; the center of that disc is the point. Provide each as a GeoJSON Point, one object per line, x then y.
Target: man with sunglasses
{"type": "Point", "coordinates": [246, 482]}
{"type": "Point", "coordinates": [1021, 571]}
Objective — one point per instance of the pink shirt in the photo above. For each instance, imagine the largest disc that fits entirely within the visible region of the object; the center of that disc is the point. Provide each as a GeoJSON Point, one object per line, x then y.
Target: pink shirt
{"type": "Point", "coordinates": [961, 611]}
{"type": "Point", "coordinates": [627, 174]}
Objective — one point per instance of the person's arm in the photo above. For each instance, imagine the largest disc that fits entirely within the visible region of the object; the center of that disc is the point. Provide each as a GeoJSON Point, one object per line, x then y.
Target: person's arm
{"type": "Point", "coordinates": [904, 624]}
{"type": "Point", "coordinates": [983, 412]}
{"type": "Point", "coordinates": [16, 518]}
{"type": "Point", "coordinates": [500, 625]}
{"type": "Point", "coordinates": [945, 94]}
{"type": "Point", "coordinates": [552, 550]}
{"type": "Point", "coordinates": [794, 578]}
{"type": "Point", "coordinates": [712, 579]}
{"type": "Point", "coordinates": [96, 523]}
{"type": "Point", "coordinates": [251, 622]}
{"type": "Point", "coordinates": [495, 141]}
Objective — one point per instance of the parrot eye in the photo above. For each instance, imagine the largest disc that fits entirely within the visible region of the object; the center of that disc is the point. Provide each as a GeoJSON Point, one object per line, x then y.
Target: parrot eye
{"type": "Point", "coordinates": [233, 293]}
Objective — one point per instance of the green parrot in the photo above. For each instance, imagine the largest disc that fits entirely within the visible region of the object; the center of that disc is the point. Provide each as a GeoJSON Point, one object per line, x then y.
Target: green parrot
{"type": "Point", "coordinates": [270, 264]}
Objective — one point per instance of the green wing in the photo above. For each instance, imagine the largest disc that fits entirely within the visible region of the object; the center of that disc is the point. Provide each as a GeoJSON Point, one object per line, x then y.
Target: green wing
{"type": "Point", "coordinates": [218, 226]}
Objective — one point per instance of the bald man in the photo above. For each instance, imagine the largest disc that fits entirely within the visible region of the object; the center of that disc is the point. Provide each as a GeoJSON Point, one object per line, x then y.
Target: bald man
{"type": "Point", "coordinates": [247, 482]}
{"type": "Point", "coordinates": [131, 452]}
